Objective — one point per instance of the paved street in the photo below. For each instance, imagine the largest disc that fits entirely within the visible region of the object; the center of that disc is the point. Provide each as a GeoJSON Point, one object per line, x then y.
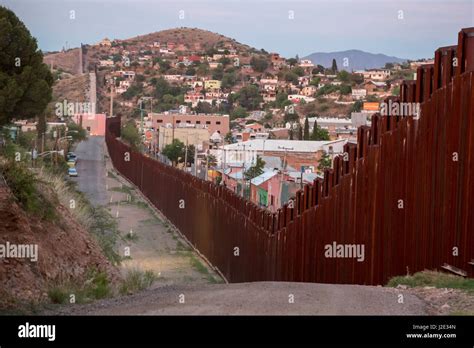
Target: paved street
{"type": "Point", "coordinates": [91, 169]}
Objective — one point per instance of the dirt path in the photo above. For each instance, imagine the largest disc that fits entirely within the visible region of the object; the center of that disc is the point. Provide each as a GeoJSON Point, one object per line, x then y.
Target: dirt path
{"type": "Point", "coordinates": [260, 298]}
{"type": "Point", "coordinates": [152, 245]}
{"type": "Point", "coordinates": [146, 241]}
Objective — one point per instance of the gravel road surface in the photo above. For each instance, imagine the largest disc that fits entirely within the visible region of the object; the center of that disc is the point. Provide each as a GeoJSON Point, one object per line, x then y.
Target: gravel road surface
{"type": "Point", "coordinates": [259, 298]}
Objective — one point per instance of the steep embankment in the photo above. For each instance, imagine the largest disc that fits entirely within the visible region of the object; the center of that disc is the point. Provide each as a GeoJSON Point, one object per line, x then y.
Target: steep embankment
{"type": "Point", "coordinates": [66, 252]}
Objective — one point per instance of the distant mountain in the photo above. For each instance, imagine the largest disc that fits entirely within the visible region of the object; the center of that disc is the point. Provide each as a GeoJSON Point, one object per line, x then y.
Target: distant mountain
{"type": "Point", "coordinates": [357, 60]}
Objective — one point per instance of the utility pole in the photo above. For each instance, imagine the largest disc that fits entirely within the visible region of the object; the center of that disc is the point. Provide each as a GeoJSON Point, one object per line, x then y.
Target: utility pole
{"type": "Point", "coordinates": [172, 132]}
{"type": "Point", "coordinates": [207, 164]}
{"type": "Point", "coordinates": [143, 110]}
{"type": "Point", "coordinates": [243, 170]}
{"type": "Point", "coordinates": [141, 117]}
{"type": "Point", "coordinates": [195, 163]}
{"type": "Point", "coordinates": [112, 98]}
{"type": "Point", "coordinates": [186, 155]}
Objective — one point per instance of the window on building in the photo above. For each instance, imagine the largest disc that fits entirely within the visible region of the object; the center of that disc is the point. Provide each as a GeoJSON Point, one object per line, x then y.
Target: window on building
{"type": "Point", "coordinates": [159, 121]}
{"type": "Point", "coordinates": [198, 122]}
{"type": "Point", "coordinates": [218, 122]}
{"type": "Point", "coordinates": [178, 121]}
{"type": "Point", "coordinates": [188, 121]}
{"type": "Point", "coordinates": [208, 122]}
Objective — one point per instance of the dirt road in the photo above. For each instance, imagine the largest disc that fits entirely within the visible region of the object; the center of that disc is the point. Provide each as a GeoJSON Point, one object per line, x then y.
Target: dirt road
{"type": "Point", "coordinates": [147, 242]}
{"type": "Point", "coordinates": [259, 298]}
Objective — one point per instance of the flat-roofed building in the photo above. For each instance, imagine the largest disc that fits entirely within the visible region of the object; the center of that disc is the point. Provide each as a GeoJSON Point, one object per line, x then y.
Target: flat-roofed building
{"type": "Point", "coordinates": [198, 137]}
{"type": "Point", "coordinates": [211, 122]}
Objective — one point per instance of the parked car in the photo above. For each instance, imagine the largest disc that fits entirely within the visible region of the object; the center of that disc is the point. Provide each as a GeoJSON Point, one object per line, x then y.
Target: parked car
{"type": "Point", "coordinates": [71, 156]}
{"type": "Point", "coordinates": [71, 163]}
{"type": "Point", "coordinates": [72, 172]}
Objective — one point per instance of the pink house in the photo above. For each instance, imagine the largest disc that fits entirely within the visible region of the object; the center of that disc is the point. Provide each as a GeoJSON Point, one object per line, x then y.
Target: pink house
{"type": "Point", "coordinates": [93, 123]}
{"type": "Point", "coordinates": [265, 190]}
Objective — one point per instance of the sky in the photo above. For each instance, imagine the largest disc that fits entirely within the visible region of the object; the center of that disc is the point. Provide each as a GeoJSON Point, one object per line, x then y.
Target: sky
{"type": "Point", "coordinates": [404, 28]}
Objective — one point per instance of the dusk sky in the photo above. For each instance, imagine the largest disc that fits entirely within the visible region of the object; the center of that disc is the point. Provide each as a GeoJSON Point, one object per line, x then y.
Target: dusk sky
{"type": "Point", "coordinates": [317, 25]}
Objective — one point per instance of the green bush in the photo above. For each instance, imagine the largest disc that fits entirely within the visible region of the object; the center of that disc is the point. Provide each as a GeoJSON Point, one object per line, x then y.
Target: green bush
{"type": "Point", "coordinates": [24, 187]}
{"type": "Point", "coordinates": [96, 286]}
{"type": "Point", "coordinates": [130, 135]}
{"type": "Point", "coordinates": [137, 280]}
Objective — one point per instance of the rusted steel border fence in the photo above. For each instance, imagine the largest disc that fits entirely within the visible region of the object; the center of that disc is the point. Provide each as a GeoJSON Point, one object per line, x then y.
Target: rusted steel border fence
{"type": "Point", "coordinates": [405, 192]}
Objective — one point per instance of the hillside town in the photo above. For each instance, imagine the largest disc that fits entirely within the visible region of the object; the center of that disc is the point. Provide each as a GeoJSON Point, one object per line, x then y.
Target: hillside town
{"type": "Point", "coordinates": [258, 123]}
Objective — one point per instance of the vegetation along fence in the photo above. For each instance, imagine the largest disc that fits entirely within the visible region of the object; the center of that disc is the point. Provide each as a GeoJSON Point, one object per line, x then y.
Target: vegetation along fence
{"type": "Point", "coordinates": [405, 193]}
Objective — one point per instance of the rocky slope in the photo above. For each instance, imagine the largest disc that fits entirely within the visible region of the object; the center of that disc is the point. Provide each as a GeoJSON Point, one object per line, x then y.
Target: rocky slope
{"type": "Point", "coordinates": [66, 252]}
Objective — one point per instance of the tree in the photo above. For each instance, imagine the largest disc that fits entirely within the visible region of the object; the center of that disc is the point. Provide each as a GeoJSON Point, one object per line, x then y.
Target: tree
{"type": "Point", "coordinates": [357, 106]}
{"type": "Point", "coordinates": [164, 66]}
{"type": "Point", "coordinates": [306, 129]}
{"type": "Point", "coordinates": [174, 151]}
{"type": "Point", "coordinates": [300, 132]}
{"type": "Point", "coordinates": [299, 71]}
{"type": "Point", "coordinates": [326, 89]}
{"type": "Point", "coordinates": [281, 100]}
{"type": "Point", "coordinates": [345, 89]}
{"type": "Point", "coordinates": [76, 132]}
{"type": "Point", "coordinates": [319, 134]}
{"type": "Point", "coordinates": [162, 87]}
{"type": "Point", "coordinates": [318, 70]}
{"type": "Point", "coordinates": [203, 69]}
{"type": "Point", "coordinates": [228, 80]}
{"type": "Point", "coordinates": [343, 76]}
{"type": "Point", "coordinates": [229, 139]}
{"type": "Point", "coordinates": [134, 90]}
{"type": "Point", "coordinates": [225, 61]}
{"type": "Point", "coordinates": [315, 81]}
{"type": "Point", "coordinates": [218, 73]}
{"type": "Point", "coordinates": [239, 112]}
{"type": "Point", "coordinates": [249, 97]}
{"type": "Point", "coordinates": [203, 108]}
{"type": "Point", "coordinates": [25, 81]}
{"type": "Point", "coordinates": [255, 170]}
{"type": "Point", "coordinates": [292, 61]}
{"type": "Point", "coordinates": [334, 66]}
{"type": "Point", "coordinates": [130, 135]}
{"type": "Point", "coordinates": [291, 77]}
{"type": "Point", "coordinates": [325, 162]}
{"type": "Point", "coordinates": [259, 64]}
